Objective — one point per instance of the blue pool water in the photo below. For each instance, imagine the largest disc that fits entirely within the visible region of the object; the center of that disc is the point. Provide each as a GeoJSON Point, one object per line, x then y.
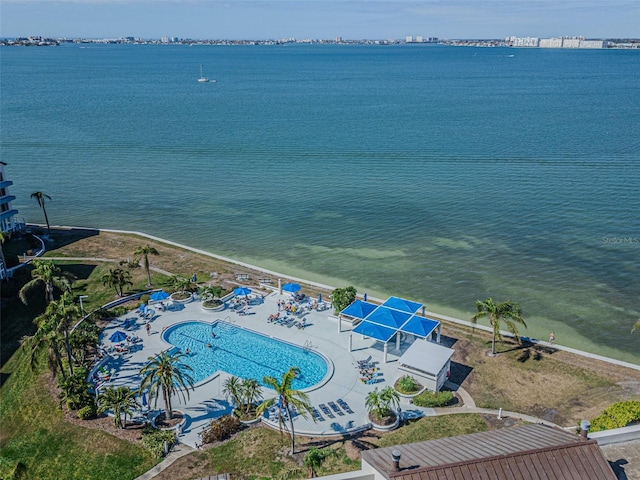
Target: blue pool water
{"type": "Point", "coordinates": [242, 353]}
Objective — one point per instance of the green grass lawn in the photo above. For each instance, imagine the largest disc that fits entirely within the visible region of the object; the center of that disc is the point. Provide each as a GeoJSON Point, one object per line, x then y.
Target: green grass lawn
{"type": "Point", "coordinates": [37, 441]}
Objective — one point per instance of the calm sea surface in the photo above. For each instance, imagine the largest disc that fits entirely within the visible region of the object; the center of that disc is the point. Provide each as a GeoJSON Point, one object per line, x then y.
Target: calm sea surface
{"type": "Point", "coordinates": [440, 174]}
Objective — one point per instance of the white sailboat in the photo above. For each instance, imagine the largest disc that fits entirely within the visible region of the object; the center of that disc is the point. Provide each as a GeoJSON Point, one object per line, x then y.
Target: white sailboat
{"type": "Point", "coordinates": [202, 77]}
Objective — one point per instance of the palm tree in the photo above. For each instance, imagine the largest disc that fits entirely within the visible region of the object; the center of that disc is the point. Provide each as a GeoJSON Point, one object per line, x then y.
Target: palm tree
{"type": "Point", "coordinates": [315, 457]}
{"type": "Point", "coordinates": [40, 198]}
{"type": "Point", "coordinates": [49, 274]}
{"type": "Point", "coordinates": [380, 404]}
{"type": "Point", "coordinates": [117, 278]}
{"type": "Point", "coordinates": [165, 374]}
{"type": "Point", "coordinates": [66, 314]}
{"type": "Point", "coordinates": [251, 393]}
{"type": "Point", "coordinates": [121, 400]}
{"type": "Point", "coordinates": [232, 390]}
{"type": "Point", "coordinates": [143, 253]}
{"type": "Point", "coordinates": [508, 312]}
{"type": "Point", "coordinates": [286, 397]}
{"type": "Point", "coordinates": [45, 336]}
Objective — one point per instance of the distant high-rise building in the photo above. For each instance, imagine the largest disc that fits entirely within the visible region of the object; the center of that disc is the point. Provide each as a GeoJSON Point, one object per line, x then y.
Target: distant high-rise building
{"type": "Point", "coordinates": [419, 39]}
{"type": "Point", "coordinates": [408, 39]}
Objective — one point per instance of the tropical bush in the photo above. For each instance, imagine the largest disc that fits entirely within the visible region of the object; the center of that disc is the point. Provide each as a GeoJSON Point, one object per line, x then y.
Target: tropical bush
{"type": "Point", "coordinates": [221, 429]}
{"type": "Point", "coordinates": [74, 390]}
{"type": "Point", "coordinates": [145, 298]}
{"type": "Point", "coordinates": [341, 298]}
{"type": "Point", "coordinates": [381, 404]}
{"type": "Point", "coordinates": [154, 440]}
{"type": "Point", "coordinates": [433, 399]}
{"type": "Point", "coordinates": [617, 415]}
{"type": "Point", "coordinates": [87, 412]}
{"type": "Point", "coordinates": [407, 385]}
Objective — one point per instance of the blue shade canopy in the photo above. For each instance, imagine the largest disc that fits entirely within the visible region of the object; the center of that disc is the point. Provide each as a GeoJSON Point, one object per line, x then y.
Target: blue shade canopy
{"type": "Point", "coordinates": [388, 317]}
{"type": "Point", "coordinates": [375, 331]}
{"type": "Point", "coordinates": [420, 326]}
{"type": "Point", "coordinates": [359, 309]}
{"type": "Point", "coordinates": [291, 287]}
{"type": "Point", "coordinates": [402, 305]}
{"type": "Point", "coordinates": [118, 336]}
{"type": "Point", "coordinates": [382, 322]}
{"type": "Point", "coordinates": [161, 295]}
{"type": "Point", "coordinates": [242, 291]}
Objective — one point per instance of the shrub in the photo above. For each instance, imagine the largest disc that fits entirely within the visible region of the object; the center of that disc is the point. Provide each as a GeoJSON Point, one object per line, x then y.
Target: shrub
{"type": "Point", "coordinates": [145, 298]}
{"type": "Point", "coordinates": [433, 399]}
{"type": "Point", "coordinates": [407, 384]}
{"type": "Point", "coordinates": [617, 415]}
{"type": "Point", "coordinates": [221, 429]}
{"type": "Point", "coordinates": [87, 412]}
{"type": "Point", "coordinates": [118, 311]}
{"type": "Point", "coordinates": [154, 440]}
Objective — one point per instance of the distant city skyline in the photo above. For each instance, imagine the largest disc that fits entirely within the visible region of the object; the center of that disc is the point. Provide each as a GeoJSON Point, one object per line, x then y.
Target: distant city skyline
{"type": "Point", "coordinates": [320, 19]}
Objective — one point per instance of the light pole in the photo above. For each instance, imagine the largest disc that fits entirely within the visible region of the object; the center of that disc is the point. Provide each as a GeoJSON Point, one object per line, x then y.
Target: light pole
{"type": "Point", "coordinates": [82, 306]}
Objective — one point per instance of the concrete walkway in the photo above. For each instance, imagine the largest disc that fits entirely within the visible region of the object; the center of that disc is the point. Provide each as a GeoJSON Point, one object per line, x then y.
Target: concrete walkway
{"type": "Point", "coordinates": [176, 452]}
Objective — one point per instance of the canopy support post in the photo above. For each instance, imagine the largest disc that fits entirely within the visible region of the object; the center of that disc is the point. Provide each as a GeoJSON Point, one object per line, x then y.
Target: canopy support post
{"type": "Point", "coordinates": [350, 341]}
{"type": "Point", "coordinates": [438, 332]}
{"type": "Point", "coordinates": [386, 349]}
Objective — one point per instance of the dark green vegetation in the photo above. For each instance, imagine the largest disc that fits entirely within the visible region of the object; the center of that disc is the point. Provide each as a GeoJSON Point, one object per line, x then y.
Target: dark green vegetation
{"type": "Point", "coordinates": [342, 298]}
{"type": "Point", "coordinates": [433, 399]}
{"type": "Point", "coordinates": [617, 415]}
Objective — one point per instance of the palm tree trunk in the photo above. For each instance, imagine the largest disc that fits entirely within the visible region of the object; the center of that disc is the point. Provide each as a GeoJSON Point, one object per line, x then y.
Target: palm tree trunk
{"type": "Point", "coordinates": [167, 402]}
{"type": "Point", "coordinates": [67, 346]}
{"type": "Point", "coordinates": [146, 265]}
{"type": "Point", "coordinates": [293, 435]}
{"type": "Point", "coordinates": [46, 218]}
{"type": "Point", "coordinates": [48, 286]}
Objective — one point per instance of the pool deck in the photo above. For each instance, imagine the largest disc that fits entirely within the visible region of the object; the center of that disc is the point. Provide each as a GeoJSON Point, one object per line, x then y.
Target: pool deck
{"type": "Point", "coordinates": [207, 400]}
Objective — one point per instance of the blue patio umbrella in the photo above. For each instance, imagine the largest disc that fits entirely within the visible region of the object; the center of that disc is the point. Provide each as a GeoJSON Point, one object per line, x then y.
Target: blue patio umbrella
{"type": "Point", "coordinates": [118, 336]}
{"type": "Point", "coordinates": [320, 298]}
{"type": "Point", "coordinates": [242, 291]}
{"type": "Point", "coordinates": [161, 295]}
{"type": "Point", "coordinates": [291, 287]}
{"type": "Point", "coordinates": [144, 399]}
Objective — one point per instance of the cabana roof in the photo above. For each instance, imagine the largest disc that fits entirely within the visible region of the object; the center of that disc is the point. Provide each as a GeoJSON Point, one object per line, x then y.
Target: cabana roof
{"type": "Point", "coordinates": [382, 322]}
{"type": "Point", "coordinates": [425, 356]}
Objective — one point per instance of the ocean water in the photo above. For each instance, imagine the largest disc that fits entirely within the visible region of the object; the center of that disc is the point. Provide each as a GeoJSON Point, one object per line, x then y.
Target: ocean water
{"type": "Point", "coordinates": [440, 174]}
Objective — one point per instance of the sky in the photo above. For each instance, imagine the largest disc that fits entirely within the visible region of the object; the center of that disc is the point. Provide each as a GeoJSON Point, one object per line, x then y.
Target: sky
{"type": "Point", "coordinates": [319, 19]}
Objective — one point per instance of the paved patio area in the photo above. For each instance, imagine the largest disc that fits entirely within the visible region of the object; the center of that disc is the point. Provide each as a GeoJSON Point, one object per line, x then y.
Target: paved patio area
{"type": "Point", "coordinates": [321, 334]}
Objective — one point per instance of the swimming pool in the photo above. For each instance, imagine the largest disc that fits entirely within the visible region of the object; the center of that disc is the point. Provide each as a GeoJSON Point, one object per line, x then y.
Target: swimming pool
{"type": "Point", "coordinates": [243, 353]}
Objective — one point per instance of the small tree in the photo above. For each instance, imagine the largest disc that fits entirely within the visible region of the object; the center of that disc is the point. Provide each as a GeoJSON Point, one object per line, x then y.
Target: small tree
{"type": "Point", "coordinates": [180, 284]}
{"type": "Point", "coordinates": [507, 312]}
{"type": "Point", "coordinates": [341, 298]}
{"type": "Point", "coordinates": [117, 278]}
{"type": "Point", "coordinates": [285, 397]}
{"type": "Point", "coordinates": [48, 274]}
{"type": "Point", "coordinates": [143, 253]}
{"type": "Point", "coordinates": [121, 400]}
{"type": "Point", "coordinates": [165, 374]}
{"type": "Point", "coordinates": [315, 457]}
{"type": "Point", "coordinates": [380, 403]}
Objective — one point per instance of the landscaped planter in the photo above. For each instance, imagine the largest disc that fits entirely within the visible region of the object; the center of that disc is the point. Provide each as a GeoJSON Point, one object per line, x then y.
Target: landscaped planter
{"type": "Point", "coordinates": [178, 297]}
{"type": "Point", "coordinates": [410, 395]}
{"type": "Point", "coordinates": [386, 428]}
{"type": "Point", "coordinates": [211, 306]}
{"type": "Point", "coordinates": [178, 427]}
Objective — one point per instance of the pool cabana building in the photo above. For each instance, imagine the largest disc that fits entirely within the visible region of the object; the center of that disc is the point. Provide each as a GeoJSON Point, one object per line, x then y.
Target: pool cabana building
{"type": "Point", "coordinates": [383, 323]}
